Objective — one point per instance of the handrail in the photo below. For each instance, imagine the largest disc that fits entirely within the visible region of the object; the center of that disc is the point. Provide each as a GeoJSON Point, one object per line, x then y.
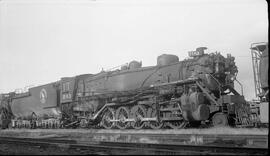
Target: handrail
{"type": "Point", "coordinates": [219, 84]}
{"type": "Point", "coordinates": [189, 80]}
{"type": "Point", "coordinates": [111, 69]}
{"type": "Point", "coordinates": [215, 80]}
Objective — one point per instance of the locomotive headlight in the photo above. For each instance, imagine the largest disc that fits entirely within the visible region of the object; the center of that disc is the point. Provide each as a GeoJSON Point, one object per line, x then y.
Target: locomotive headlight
{"type": "Point", "coordinates": [232, 78]}
{"type": "Point", "coordinates": [217, 67]}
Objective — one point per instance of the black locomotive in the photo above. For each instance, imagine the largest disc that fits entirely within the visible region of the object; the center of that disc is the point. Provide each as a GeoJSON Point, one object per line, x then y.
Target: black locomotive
{"type": "Point", "coordinates": [196, 91]}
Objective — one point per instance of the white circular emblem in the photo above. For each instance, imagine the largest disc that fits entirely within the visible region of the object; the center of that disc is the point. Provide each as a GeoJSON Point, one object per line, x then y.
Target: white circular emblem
{"type": "Point", "coordinates": [43, 95]}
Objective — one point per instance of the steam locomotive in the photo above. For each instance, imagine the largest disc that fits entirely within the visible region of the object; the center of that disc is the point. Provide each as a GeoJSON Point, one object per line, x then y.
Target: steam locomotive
{"type": "Point", "coordinates": [174, 94]}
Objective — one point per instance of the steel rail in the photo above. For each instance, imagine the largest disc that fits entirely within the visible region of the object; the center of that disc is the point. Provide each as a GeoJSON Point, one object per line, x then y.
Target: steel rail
{"type": "Point", "coordinates": [149, 147]}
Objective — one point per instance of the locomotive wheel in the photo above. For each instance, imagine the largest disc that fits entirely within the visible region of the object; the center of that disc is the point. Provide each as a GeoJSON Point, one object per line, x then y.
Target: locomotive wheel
{"type": "Point", "coordinates": [50, 125]}
{"type": "Point", "coordinates": [57, 125]}
{"type": "Point", "coordinates": [10, 125]}
{"type": "Point", "coordinates": [4, 121]}
{"type": "Point", "coordinates": [177, 124]}
{"type": "Point", "coordinates": [108, 115]}
{"type": "Point", "coordinates": [154, 124]}
{"type": "Point", "coordinates": [54, 125]}
{"type": "Point", "coordinates": [1, 120]}
{"type": "Point", "coordinates": [138, 112]}
{"type": "Point", "coordinates": [122, 113]}
{"type": "Point", "coordinates": [220, 119]}
{"type": "Point", "coordinates": [46, 125]}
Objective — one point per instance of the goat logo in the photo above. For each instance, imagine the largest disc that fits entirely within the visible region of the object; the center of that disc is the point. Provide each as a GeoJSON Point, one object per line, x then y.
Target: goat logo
{"type": "Point", "coordinates": [43, 95]}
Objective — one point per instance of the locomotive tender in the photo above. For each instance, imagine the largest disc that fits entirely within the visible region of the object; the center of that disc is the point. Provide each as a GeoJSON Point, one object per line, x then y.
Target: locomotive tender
{"type": "Point", "coordinates": [197, 90]}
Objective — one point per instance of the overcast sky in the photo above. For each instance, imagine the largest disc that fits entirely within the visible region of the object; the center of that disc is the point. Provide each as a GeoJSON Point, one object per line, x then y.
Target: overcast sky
{"type": "Point", "coordinates": [44, 40]}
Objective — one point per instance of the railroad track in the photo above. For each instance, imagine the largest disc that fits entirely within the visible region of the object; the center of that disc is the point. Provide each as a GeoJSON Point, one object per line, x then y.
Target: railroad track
{"type": "Point", "coordinates": [132, 148]}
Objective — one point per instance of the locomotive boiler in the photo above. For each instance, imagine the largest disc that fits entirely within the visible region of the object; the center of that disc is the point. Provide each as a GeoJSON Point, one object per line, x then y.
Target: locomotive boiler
{"type": "Point", "coordinates": [194, 91]}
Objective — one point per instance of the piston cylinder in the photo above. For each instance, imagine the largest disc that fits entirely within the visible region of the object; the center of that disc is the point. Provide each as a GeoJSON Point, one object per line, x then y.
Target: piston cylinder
{"type": "Point", "coordinates": [194, 107]}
